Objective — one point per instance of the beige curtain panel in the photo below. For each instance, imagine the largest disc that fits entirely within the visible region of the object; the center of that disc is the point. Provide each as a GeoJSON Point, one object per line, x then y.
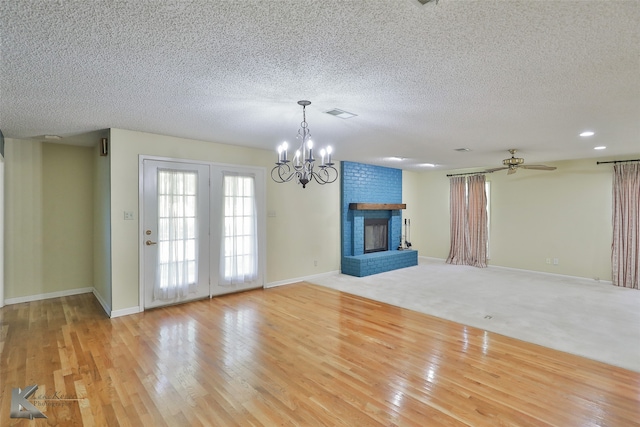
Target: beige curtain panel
{"type": "Point", "coordinates": [469, 230]}
{"type": "Point", "coordinates": [477, 221]}
{"type": "Point", "coordinates": [458, 223]}
{"type": "Point", "coordinates": [625, 254]}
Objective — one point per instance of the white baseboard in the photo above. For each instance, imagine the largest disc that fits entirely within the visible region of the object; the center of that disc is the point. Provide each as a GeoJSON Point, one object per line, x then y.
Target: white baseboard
{"type": "Point", "coordinates": [301, 279]}
{"type": "Point", "coordinates": [126, 311]}
{"type": "Point", "coordinates": [430, 258]}
{"type": "Point", "coordinates": [103, 303]}
{"type": "Point", "coordinates": [39, 297]}
{"type": "Point", "coordinates": [566, 276]}
{"type": "Point", "coordinates": [546, 273]}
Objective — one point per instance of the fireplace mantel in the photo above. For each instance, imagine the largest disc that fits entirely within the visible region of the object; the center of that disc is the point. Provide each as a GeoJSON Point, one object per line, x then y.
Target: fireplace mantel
{"type": "Point", "coordinates": [377, 206]}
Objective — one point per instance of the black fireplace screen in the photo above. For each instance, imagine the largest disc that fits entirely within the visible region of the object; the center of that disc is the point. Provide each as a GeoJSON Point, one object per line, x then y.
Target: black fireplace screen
{"type": "Point", "coordinates": [376, 235]}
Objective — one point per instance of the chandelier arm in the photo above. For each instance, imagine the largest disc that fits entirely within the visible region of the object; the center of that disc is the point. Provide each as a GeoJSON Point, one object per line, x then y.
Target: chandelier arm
{"type": "Point", "coordinates": [334, 174]}
{"type": "Point", "coordinates": [317, 178]}
{"type": "Point", "coordinates": [326, 175]}
{"type": "Point", "coordinates": [282, 173]}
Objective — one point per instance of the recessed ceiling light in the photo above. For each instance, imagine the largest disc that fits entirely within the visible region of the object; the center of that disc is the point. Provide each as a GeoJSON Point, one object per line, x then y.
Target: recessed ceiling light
{"type": "Point", "coordinates": [340, 113]}
{"type": "Point", "coordinates": [53, 137]}
{"type": "Point", "coordinates": [428, 165]}
{"type": "Point", "coordinates": [462, 149]}
{"type": "Point", "coordinates": [587, 133]}
{"type": "Point", "coordinates": [602, 147]}
{"type": "Point", "coordinates": [395, 159]}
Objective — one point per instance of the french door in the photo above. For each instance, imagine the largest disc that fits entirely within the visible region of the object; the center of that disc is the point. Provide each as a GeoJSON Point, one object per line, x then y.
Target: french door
{"type": "Point", "coordinates": [176, 224]}
{"type": "Point", "coordinates": [203, 230]}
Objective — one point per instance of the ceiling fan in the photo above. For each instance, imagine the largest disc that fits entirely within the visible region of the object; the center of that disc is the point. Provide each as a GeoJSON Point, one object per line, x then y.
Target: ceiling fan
{"type": "Point", "coordinates": [513, 163]}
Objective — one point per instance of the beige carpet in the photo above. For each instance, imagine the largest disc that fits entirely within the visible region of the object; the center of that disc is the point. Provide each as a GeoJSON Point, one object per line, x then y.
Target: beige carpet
{"type": "Point", "coordinates": [580, 316]}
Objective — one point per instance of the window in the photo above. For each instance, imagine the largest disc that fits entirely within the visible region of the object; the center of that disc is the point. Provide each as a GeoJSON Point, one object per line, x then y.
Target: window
{"type": "Point", "coordinates": [487, 190]}
{"type": "Point", "coordinates": [177, 232]}
{"type": "Point", "coordinates": [239, 240]}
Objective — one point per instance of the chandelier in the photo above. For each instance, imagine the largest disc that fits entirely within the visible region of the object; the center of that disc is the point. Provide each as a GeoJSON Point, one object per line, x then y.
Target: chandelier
{"type": "Point", "coordinates": [302, 166]}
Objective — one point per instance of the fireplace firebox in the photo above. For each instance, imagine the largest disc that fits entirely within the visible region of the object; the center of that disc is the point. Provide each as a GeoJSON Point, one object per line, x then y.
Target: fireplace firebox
{"type": "Point", "coordinates": [376, 233]}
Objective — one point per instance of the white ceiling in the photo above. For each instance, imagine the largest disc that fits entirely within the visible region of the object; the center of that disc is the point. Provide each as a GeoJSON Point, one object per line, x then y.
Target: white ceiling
{"type": "Point", "coordinates": [423, 80]}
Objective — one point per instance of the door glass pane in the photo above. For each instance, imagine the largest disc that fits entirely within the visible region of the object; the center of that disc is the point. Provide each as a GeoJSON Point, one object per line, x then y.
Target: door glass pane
{"type": "Point", "coordinates": [177, 232]}
{"type": "Point", "coordinates": [240, 258]}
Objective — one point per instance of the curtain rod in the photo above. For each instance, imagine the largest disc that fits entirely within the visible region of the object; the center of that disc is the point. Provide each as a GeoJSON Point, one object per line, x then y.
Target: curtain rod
{"type": "Point", "coordinates": [468, 173]}
{"type": "Point", "coordinates": [619, 161]}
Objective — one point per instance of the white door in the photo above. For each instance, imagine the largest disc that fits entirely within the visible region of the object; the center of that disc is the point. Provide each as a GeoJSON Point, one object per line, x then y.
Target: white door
{"type": "Point", "coordinates": [176, 227]}
{"type": "Point", "coordinates": [236, 240]}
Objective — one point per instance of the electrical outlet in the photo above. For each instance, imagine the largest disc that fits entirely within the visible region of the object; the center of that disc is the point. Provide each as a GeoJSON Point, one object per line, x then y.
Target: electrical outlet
{"type": "Point", "coordinates": [315, 262]}
{"type": "Point", "coordinates": [555, 261]}
{"type": "Point", "coordinates": [128, 215]}
{"type": "Point", "coordinates": [548, 260]}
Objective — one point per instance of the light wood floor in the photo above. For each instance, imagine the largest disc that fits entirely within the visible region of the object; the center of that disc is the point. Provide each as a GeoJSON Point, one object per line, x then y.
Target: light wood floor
{"type": "Point", "coordinates": [298, 355]}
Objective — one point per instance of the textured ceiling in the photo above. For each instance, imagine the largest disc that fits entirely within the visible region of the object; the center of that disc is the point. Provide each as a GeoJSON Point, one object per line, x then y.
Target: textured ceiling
{"type": "Point", "coordinates": [423, 80]}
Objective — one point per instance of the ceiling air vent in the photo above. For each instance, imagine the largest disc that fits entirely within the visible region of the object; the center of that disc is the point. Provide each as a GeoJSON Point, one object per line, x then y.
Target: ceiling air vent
{"type": "Point", "coordinates": [423, 2]}
{"type": "Point", "coordinates": [340, 113]}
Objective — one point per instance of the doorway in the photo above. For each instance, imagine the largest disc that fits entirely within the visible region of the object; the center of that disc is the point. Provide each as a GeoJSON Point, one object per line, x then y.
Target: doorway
{"type": "Point", "coordinates": [203, 230]}
{"type": "Point", "coordinates": [176, 200]}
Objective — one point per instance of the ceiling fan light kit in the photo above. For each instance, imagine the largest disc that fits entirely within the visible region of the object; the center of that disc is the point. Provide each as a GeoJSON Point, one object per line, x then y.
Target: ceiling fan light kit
{"type": "Point", "coordinates": [513, 163]}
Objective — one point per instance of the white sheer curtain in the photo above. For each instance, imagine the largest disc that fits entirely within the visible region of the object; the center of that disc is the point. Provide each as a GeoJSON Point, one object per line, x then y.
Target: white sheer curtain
{"type": "Point", "coordinates": [177, 234]}
{"type": "Point", "coordinates": [239, 252]}
{"type": "Point", "coordinates": [625, 254]}
{"type": "Point", "coordinates": [468, 223]}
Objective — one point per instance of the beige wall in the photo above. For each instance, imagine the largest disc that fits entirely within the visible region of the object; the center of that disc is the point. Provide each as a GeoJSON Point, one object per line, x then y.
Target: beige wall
{"type": "Point", "coordinates": [564, 214]}
{"type": "Point", "coordinates": [305, 227]}
{"type": "Point", "coordinates": [427, 198]}
{"type": "Point", "coordinates": [49, 221]}
{"type": "Point", "coordinates": [102, 226]}
{"type": "Point", "coordinates": [67, 201]}
{"type": "Point", "coordinates": [64, 225]}
{"type": "Point", "coordinates": [411, 183]}
{"type": "Point", "coordinates": [23, 219]}
{"type": "Point", "coordinates": [2, 227]}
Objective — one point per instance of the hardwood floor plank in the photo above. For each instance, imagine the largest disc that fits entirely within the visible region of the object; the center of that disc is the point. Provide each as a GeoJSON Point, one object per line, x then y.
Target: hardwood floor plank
{"type": "Point", "coordinates": [297, 355]}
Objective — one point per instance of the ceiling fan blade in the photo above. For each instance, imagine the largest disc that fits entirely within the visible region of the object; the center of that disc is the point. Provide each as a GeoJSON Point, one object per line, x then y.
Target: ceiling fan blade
{"type": "Point", "coordinates": [496, 169]}
{"type": "Point", "coordinates": [539, 167]}
{"type": "Point", "coordinates": [511, 171]}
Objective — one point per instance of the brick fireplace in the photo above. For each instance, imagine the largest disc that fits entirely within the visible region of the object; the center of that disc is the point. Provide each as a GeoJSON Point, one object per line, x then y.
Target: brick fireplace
{"type": "Point", "coordinates": [371, 193]}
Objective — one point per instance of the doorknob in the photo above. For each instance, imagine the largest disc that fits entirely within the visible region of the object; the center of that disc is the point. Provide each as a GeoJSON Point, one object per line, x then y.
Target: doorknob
{"type": "Point", "coordinates": [149, 243]}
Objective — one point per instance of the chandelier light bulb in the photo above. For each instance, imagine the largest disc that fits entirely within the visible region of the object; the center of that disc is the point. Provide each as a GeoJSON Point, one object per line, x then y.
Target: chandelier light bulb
{"type": "Point", "coordinates": [285, 146]}
{"type": "Point", "coordinates": [310, 146]}
{"type": "Point", "coordinates": [329, 150]}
